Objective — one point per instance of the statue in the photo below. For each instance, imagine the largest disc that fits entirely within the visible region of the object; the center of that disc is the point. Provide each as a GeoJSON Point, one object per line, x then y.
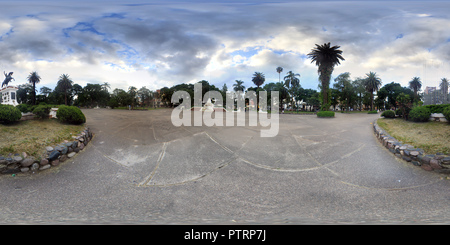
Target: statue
{"type": "Point", "coordinates": [209, 106]}
{"type": "Point", "coordinates": [7, 79]}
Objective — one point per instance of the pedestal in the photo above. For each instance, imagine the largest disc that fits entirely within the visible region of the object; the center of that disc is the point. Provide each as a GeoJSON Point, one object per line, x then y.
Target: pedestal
{"type": "Point", "coordinates": [8, 95]}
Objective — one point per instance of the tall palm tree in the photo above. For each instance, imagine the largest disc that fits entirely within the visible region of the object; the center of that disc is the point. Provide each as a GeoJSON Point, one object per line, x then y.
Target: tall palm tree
{"type": "Point", "coordinates": [279, 70]}
{"type": "Point", "coordinates": [258, 79]}
{"type": "Point", "coordinates": [326, 58]}
{"type": "Point", "coordinates": [444, 87]}
{"type": "Point", "coordinates": [291, 81]}
{"type": "Point", "coordinates": [238, 86]}
{"type": "Point", "coordinates": [34, 78]}
{"type": "Point", "coordinates": [64, 84]}
{"type": "Point", "coordinates": [415, 84]}
{"type": "Point", "coordinates": [372, 83]}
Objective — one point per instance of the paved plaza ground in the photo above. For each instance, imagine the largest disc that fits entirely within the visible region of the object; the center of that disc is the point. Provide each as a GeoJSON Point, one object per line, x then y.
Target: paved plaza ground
{"type": "Point", "coordinates": [139, 168]}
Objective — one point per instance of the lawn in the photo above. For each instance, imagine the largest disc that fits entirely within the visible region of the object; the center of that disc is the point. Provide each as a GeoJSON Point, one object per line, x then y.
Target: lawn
{"type": "Point", "coordinates": [32, 136]}
{"type": "Point", "coordinates": [432, 137]}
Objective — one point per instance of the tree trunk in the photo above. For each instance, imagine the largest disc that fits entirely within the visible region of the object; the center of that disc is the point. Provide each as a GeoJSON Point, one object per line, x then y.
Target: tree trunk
{"type": "Point", "coordinates": [34, 93]}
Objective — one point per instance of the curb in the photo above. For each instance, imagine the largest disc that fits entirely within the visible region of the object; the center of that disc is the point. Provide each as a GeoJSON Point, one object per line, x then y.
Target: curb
{"type": "Point", "coordinates": [432, 162]}
{"type": "Point", "coordinates": [54, 155]}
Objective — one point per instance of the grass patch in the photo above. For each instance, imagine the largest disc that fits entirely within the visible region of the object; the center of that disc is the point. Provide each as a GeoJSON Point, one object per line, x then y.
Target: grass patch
{"type": "Point", "coordinates": [432, 137]}
{"type": "Point", "coordinates": [32, 136]}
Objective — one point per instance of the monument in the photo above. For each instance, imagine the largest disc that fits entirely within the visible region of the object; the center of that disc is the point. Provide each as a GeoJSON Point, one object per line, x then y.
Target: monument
{"type": "Point", "coordinates": [8, 94]}
{"type": "Point", "coordinates": [209, 106]}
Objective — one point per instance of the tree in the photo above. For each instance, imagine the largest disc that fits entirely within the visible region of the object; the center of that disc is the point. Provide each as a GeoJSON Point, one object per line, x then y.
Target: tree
{"type": "Point", "coordinates": [326, 58]}
{"type": "Point", "coordinates": [360, 90]}
{"type": "Point", "coordinates": [292, 82]}
{"type": "Point", "coordinates": [145, 96]}
{"type": "Point", "coordinates": [415, 84]}
{"type": "Point", "coordinates": [279, 70]}
{"type": "Point", "coordinates": [105, 86]}
{"type": "Point", "coordinates": [64, 84]}
{"type": "Point", "coordinates": [258, 79]}
{"type": "Point", "coordinates": [404, 103]}
{"type": "Point", "coordinates": [34, 78]}
{"type": "Point", "coordinates": [23, 94]}
{"type": "Point", "coordinates": [389, 93]}
{"type": "Point", "coordinates": [372, 83]}
{"type": "Point", "coordinates": [92, 95]}
{"type": "Point", "coordinates": [132, 91]}
{"type": "Point", "coordinates": [45, 91]}
{"type": "Point", "coordinates": [282, 92]}
{"type": "Point", "coordinates": [224, 88]}
{"type": "Point", "coordinates": [346, 93]}
{"type": "Point", "coordinates": [238, 86]}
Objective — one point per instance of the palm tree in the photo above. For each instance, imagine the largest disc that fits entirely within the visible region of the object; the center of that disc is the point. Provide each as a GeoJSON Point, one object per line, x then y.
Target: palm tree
{"type": "Point", "coordinates": [326, 58]}
{"type": "Point", "coordinates": [279, 70]}
{"type": "Point", "coordinates": [372, 83]}
{"type": "Point", "coordinates": [105, 86]}
{"type": "Point", "coordinates": [238, 86]}
{"type": "Point", "coordinates": [34, 78]}
{"type": "Point", "coordinates": [444, 87]}
{"type": "Point", "coordinates": [258, 79]}
{"type": "Point", "coordinates": [291, 80]}
{"type": "Point", "coordinates": [415, 84]}
{"type": "Point", "coordinates": [64, 84]}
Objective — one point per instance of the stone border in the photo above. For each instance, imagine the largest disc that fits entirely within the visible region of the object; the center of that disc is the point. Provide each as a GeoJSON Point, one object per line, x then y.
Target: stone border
{"type": "Point", "coordinates": [436, 162]}
{"type": "Point", "coordinates": [54, 155]}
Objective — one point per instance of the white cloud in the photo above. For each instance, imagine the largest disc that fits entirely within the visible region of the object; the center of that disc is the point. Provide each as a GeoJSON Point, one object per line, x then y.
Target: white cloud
{"type": "Point", "coordinates": [161, 43]}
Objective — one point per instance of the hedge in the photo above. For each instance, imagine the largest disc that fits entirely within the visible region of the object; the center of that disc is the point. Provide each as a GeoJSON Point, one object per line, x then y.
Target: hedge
{"type": "Point", "coordinates": [437, 108]}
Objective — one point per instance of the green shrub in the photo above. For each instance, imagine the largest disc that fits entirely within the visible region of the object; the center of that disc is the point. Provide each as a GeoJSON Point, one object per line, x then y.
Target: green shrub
{"type": "Point", "coordinates": [388, 114]}
{"type": "Point", "coordinates": [23, 108]}
{"type": "Point", "coordinates": [42, 111]}
{"type": "Point", "coordinates": [70, 114]}
{"type": "Point", "coordinates": [420, 114]}
{"type": "Point", "coordinates": [9, 114]}
{"type": "Point", "coordinates": [325, 114]}
{"type": "Point", "coordinates": [373, 112]}
{"type": "Point", "coordinates": [399, 111]}
{"type": "Point", "coordinates": [446, 113]}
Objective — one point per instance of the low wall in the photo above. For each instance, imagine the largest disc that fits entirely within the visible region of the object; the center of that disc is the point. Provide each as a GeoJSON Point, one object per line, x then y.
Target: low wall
{"type": "Point", "coordinates": [433, 162]}
{"type": "Point", "coordinates": [53, 156]}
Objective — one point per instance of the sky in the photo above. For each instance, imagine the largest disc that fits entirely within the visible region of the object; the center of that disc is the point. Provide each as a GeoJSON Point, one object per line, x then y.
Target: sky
{"type": "Point", "coordinates": [163, 43]}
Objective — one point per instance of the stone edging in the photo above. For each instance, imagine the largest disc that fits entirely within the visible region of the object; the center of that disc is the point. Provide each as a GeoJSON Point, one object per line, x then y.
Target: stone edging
{"type": "Point", "coordinates": [53, 157]}
{"type": "Point", "coordinates": [436, 162]}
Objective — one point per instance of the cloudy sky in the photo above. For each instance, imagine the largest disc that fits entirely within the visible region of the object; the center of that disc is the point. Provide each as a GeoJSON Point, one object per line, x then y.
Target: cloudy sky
{"type": "Point", "coordinates": [161, 43]}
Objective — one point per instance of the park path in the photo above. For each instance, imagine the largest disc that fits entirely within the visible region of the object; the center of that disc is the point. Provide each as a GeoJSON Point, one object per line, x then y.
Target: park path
{"type": "Point", "coordinates": [141, 168]}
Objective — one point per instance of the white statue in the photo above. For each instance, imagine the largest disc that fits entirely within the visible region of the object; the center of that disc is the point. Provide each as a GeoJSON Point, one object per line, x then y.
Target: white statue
{"type": "Point", "coordinates": [209, 106]}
